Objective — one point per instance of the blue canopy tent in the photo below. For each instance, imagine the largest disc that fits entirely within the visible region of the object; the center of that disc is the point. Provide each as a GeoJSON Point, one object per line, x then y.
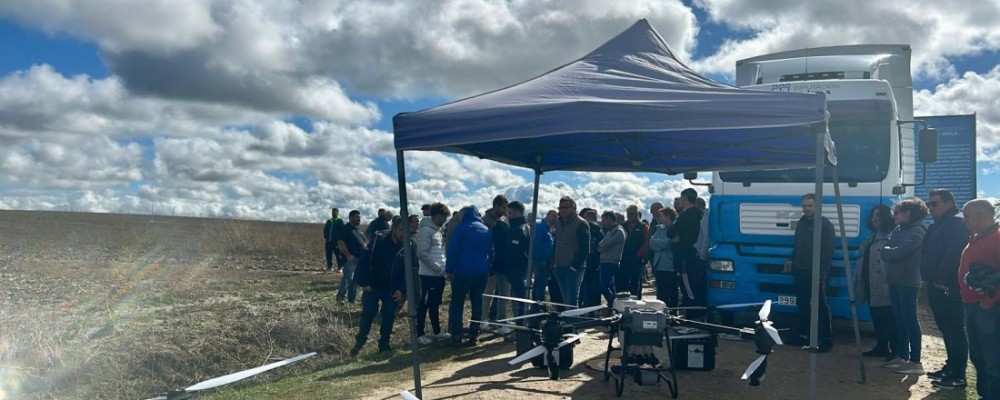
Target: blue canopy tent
{"type": "Point", "coordinates": [628, 106]}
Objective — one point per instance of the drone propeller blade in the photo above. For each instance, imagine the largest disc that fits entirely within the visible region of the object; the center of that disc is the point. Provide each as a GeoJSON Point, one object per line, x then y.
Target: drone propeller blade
{"type": "Point", "coordinates": [570, 339]}
{"type": "Point", "coordinates": [523, 317]}
{"type": "Point", "coordinates": [511, 326]}
{"type": "Point", "coordinates": [737, 305]}
{"type": "Point", "coordinates": [753, 366]}
{"type": "Point", "coordinates": [535, 352]}
{"type": "Point", "coordinates": [407, 396]}
{"type": "Point", "coordinates": [227, 379]}
{"type": "Point", "coordinates": [518, 299]}
{"type": "Point", "coordinates": [765, 311]}
{"type": "Point", "coordinates": [773, 332]}
{"type": "Point", "coordinates": [581, 311]}
{"type": "Point", "coordinates": [158, 398]}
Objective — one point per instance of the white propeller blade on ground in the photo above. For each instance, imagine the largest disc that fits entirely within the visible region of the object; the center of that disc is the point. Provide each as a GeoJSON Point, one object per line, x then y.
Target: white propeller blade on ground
{"type": "Point", "coordinates": [227, 379]}
{"type": "Point", "coordinates": [523, 317]}
{"type": "Point", "coordinates": [407, 396]}
{"type": "Point", "coordinates": [737, 305]}
{"type": "Point", "coordinates": [765, 311]}
{"type": "Point", "coordinates": [773, 332]}
{"type": "Point", "coordinates": [535, 352]}
{"type": "Point", "coordinates": [753, 366]}
{"type": "Point", "coordinates": [581, 311]}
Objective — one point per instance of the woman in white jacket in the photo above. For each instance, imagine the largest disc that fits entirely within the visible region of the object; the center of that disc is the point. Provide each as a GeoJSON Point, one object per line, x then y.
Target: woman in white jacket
{"type": "Point", "coordinates": [431, 255]}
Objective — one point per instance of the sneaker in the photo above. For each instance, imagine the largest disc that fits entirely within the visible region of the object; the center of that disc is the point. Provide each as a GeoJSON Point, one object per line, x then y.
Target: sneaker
{"type": "Point", "coordinates": [443, 336]}
{"type": "Point", "coordinates": [424, 340]}
{"type": "Point", "coordinates": [910, 368]}
{"type": "Point", "coordinates": [950, 383]}
{"type": "Point", "coordinates": [876, 353]}
{"type": "Point", "coordinates": [385, 349]}
{"type": "Point", "coordinates": [355, 351]}
{"type": "Point", "coordinates": [940, 374]}
{"type": "Point", "coordinates": [894, 363]}
{"type": "Point", "coordinates": [504, 331]}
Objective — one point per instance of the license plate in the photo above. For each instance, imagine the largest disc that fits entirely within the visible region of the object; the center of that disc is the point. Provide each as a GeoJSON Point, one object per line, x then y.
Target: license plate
{"type": "Point", "coordinates": [786, 300]}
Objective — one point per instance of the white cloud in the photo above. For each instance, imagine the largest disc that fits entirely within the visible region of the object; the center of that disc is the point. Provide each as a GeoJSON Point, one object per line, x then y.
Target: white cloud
{"type": "Point", "coordinates": [972, 93]}
{"type": "Point", "coordinates": [935, 30]}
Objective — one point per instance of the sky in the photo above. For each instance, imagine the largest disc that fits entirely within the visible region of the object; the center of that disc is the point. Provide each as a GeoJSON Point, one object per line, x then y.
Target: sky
{"type": "Point", "coordinates": [279, 110]}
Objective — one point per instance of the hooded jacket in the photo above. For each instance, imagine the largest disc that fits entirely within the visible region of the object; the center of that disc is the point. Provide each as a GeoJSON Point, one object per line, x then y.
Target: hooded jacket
{"type": "Point", "coordinates": [903, 254]}
{"type": "Point", "coordinates": [470, 247]}
{"type": "Point", "coordinates": [430, 248]}
{"type": "Point", "coordinates": [612, 245]}
{"type": "Point", "coordinates": [942, 251]}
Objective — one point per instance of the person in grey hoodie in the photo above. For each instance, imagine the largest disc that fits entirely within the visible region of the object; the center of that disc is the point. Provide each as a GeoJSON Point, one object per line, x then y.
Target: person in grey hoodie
{"type": "Point", "coordinates": [611, 248]}
{"type": "Point", "coordinates": [903, 256]}
{"type": "Point", "coordinates": [430, 254]}
{"type": "Point", "coordinates": [663, 258]}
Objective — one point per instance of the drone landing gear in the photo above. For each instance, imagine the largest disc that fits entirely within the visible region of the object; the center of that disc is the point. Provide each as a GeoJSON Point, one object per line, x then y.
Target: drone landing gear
{"type": "Point", "coordinates": [639, 367]}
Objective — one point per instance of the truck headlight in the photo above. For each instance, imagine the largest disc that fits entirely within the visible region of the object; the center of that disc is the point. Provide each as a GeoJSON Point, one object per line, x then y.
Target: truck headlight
{"type": "Point", "coordinates": [721, 265]}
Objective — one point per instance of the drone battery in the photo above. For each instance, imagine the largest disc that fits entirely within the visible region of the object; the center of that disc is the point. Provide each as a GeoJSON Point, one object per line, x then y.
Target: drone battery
{"type": "Point", "coordinates": [645, 327]}
{"type": "Point", "coordinates": [694, 352]}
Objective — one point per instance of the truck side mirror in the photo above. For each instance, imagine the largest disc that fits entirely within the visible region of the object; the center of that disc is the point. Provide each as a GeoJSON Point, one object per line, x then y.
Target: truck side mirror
{"type": "Point", "coordinates": [690, 176]}
{"type": "Point", "coordinates": [928, 145]}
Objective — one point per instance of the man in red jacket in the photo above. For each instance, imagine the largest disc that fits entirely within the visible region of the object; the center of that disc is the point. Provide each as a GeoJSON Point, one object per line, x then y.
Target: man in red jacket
{"type": "Point", "coordinates": [981, 297]}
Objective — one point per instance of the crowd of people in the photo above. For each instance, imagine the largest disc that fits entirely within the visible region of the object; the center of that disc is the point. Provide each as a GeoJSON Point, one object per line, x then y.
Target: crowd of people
{"type": "Point", "coordinates": [579, 257]}
{"type": "Point", "coordinates": [956, 258]}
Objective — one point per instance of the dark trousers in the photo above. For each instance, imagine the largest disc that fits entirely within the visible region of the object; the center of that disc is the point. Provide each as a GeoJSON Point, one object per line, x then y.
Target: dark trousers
{"type": "Point", "coordinates": [608, 271]}
{"type": "Point", "coordinates": [627, 278]}
{"type": "Point", "coordinates": [949, 315]}
{"type": "Point", "coordinates": [697, 281]}
{"type": "Point", "coordinates": [465, 287]}
{"type": "Point", "coordinates": [666, 287]}
{"type": "Point", "coordinates": [541, 280]}
{"type": "Point", "coordinates": [885, 329]}
{"type": "Point", "coordinates": [908, 335]}
{"type": "Point", "coordinates": [516, 278]}
{"type": "Point", "coordinates": [590, 289]}
{"type": "Point", "coordinates": [330, 247]}
{"type": "Point", "coordinates": [431, 291]}
{"type": "Point", "coordinates": [984, 348]}
{"type": "Point", "coordinates": [803, 293]}
{"type": "Point", "coordinates": [369, 307]}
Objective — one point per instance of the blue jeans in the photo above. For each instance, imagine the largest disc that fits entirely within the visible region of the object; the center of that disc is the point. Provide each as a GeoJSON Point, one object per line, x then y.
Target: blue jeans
{"type": "Point", "coordinates": [666, 287]}
{"type": "Point", "coordinates": [983, 327]}
{"type": "Point", "coordinates": [541, 280]}
{"type": "Point", "coordinates": [904, 309]}
{"type": "Point", "coordinates": [463, 287]}
{"type": "Point", "coordinates": [608, 271]}
{"type": "Point", "coordinates": [369, 307]}
{"type": "Point", "coordinates": [516, 279]}
{"type": "Point", "coordinates": [569, 281]}
{"type": "Point", "coordinates": [347, 285]}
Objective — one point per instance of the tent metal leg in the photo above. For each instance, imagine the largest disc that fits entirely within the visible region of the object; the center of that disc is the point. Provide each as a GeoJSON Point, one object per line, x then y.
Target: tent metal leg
{"type": "Point", "coordinates": [531, 243]}
{"type": "Point", "coordinates": [848, 274]}
{"type": "Point", "coordinates": [411, 295]}
{"type": "Point", "coordinates": [816, 250]}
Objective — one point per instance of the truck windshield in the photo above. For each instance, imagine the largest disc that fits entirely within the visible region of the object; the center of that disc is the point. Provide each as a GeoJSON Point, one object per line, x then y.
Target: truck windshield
{"type": "Point", "coordinates": [862, 153]}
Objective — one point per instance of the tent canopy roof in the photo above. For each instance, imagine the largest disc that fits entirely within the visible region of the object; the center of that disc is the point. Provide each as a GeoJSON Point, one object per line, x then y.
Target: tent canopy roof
{"type": "Point", "coordinates": [629, 105]}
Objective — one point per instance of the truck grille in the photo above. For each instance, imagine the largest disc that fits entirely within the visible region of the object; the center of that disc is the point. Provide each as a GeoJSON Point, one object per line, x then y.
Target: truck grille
{"type": "Point", "coordinates": [780, 219]}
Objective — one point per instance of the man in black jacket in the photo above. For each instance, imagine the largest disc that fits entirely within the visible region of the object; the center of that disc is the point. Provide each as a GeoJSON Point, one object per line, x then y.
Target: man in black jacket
{"type": "Point", "coordinates": [942, 252]}
{"type": "Point", "coordinates": [684, 233]}
{"type": "Point", "coordinates": [801, 263]}
{"type": "Point", "coordinates": [629, 275]}
{"type": "Point", "coordinates": [382, 280]}
{"type": "Point", "coordinates": [590, 290]}
{"type": "Point", "coordinates": [331, 232]}
{"type": "Point", "coordinates": [519, 238]}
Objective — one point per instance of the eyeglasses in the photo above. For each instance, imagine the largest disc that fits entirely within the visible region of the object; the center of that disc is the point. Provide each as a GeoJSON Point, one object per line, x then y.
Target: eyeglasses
{"type": "Point", "coordinates": [565, 207]}
{"type": "Point", "coordinates": [933, 204]}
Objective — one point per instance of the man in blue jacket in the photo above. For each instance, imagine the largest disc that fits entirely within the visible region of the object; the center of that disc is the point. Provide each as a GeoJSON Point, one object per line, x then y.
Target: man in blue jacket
{"type": "Point", "coordinates": [467, 266]}
{"type": "Point", "coordinates": [942, 252]}
{"type": "Point", "coordinates": [382, 280]}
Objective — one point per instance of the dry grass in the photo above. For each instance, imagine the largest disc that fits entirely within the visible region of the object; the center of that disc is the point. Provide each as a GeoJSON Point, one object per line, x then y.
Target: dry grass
{"type": "Point", "coordinates": [124, 306]}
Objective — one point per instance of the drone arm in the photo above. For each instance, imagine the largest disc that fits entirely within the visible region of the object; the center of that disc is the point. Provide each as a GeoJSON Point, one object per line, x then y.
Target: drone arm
{"type": "Point", "coordinates": [714, 328]}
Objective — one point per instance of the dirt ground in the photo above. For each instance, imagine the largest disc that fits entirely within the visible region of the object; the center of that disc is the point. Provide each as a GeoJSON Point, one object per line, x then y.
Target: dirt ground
{"type": "Point", "coordinates": [485, 374]}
